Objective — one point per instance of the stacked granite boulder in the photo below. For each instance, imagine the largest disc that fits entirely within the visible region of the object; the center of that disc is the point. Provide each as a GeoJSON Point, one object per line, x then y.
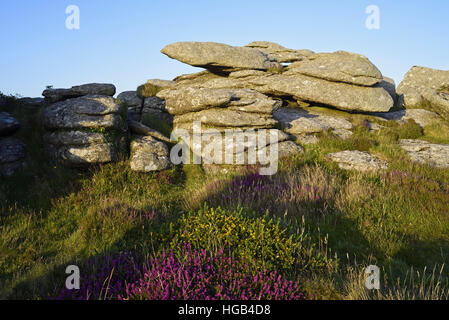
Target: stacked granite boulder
{"type": "Point", "coordinates": [12, 150]}
{"type": "Point", "coordinates": [133, 103]}
{"type": "Point", "coordinates": [143, 105]}
{"type": "Point", "coordinates": [219, 99]}
{"type": "Point", "coordinates": [247, 87]}
{"type": "Point", "coordinates": [339, 80]}
{"type": "Point", "coordinates": [85, 125]}
{"type": "Point", "coordinates": [149, 149]}
{"type": "Point", "coordinates": [221, 111]}
{"type": "Point", "coordinates": [261, 86]}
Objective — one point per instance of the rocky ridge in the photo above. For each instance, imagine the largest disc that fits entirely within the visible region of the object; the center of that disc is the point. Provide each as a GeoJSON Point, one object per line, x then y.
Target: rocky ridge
{"type": "Point", "coordinates": [258, 87]}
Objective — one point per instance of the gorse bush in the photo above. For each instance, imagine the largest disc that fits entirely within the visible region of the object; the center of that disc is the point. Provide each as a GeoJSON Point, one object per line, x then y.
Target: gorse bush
{"type": "Point", "coordinates": [259, 241]}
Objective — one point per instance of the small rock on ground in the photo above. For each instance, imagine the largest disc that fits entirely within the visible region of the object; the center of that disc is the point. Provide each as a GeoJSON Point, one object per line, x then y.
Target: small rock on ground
{"type": "Point", "coordinates": [148, 154]}
{"type": "Point", "coordinates": [358, 160]}
{"type": "Point", "coordinates": [420, 151]}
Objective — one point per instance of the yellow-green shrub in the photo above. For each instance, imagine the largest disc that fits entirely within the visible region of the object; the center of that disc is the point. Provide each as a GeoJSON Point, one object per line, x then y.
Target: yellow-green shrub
{"type": "Point", "coordinates": [258, 241]}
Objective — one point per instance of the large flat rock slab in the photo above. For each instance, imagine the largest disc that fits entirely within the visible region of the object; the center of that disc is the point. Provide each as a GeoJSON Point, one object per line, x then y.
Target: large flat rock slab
{"type": "Point", "coordinates": [279, 53]}
{"type": "Point", "coordinates": [341, 96]}
{"type": "Point", "coordinates": [191, 99]}
{"type": "Point", "coordinates": [423, 152]}
{"type": "Point", "coordinates": [54, 95]}
{"type": "Point", "coordinates": [84, 112]}
{"type": "Point", "coordinates": [223, 117]}
{"type": "Point", "coordinates": [339, 66]}
{"type": "Point", "coordinates": [358, 160]}
{"type": "Point", "coordinates": [298, 121]}
{"type": "Point", "coordinates": [218, 56]}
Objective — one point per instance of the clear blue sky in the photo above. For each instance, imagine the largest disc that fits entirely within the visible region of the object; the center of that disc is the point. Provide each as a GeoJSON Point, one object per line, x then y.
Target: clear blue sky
{"type": "Point", "coordinates": [119, 41]}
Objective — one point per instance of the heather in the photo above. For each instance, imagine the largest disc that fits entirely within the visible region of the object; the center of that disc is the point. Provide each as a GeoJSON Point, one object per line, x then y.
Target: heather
{"type": "Point", "coordinates": [104, 278]}
{"type": "Point", "coordinates": [186, 275]}
{"type": "Point", "coordinates": [197, 275]}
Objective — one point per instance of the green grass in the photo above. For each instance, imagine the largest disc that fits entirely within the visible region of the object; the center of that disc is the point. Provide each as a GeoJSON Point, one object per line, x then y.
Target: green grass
{"type": "Point", "coordinates": [333, 223]}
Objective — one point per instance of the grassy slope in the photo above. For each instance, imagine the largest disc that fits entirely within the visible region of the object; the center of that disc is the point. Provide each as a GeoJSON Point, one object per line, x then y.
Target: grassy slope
{"type": "Point", "coordinates": [51, 216]}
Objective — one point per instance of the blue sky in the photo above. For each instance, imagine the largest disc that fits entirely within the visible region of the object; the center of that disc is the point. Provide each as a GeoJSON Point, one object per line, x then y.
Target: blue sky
{"type": "Point", "coordinates": [119, 41]}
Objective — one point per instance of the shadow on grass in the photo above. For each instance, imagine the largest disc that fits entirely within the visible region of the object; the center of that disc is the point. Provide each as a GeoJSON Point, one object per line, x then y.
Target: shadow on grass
{"type": "Point", "coordinates": [304, 207]}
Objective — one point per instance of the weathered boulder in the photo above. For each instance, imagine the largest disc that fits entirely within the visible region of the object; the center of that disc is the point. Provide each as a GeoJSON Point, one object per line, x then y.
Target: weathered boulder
{"type": "Point", "coordinates": [424, 86]}
{"type": "Point", "coordinates": [75, 137]}
{"type": "Point", "coordinates": [224, 117]}
{"type": "Point", "coordinates": [423, 152]}
{"type": "Point", "coordinates": [235, 140]}
{"type": "Point", "coordinates": [131, 100]}
{"type": "Point", "coordinates": [154, 108]}
{"type": "Point", "coordinates": [339, 66]}
{"type": "Point", "coordinates": [422, 117]}
{"type": "Point", "coordinates": [389, 85]}
{"type": "Point", "coordinates": [358, 160]}
{"type": "Point", "coordinates": [8, 124]}
{"type": "Point", "coordinates": [235, 80]}
{"type": "Point", "coordinates": [54, 95]}
{"type": "Point", "coordinates": [298, 121]}
{"type": "Point", "coordinates": [238, 74]}
{"type": "Point", "coordinates": [280, 53]}
{"type": "Point", "coordinates": [104, 89]}
{"type": "Point", "coordinates": [219, 57]}
{"type": "Point", "coordinates": [154, 103]}
{"type": "Point", "coordinates": [240, 147]}
{"type": "Point", "coordinates": [287, 148]}
{"type": "Point", "coordinates": [339, 95]}
{"type": "Point", "coordinates": [84, 112]}
{"type": "Point", "coordinates": [141, 129]}
{"type": "Point", "coordinates": [12, 154]}
{"type": "Point", "coordinates": [85, 130]}
{"type": "Point", "coordinates": [190, 99]}
{"type": "Point", "coordinates": [153, 86]}
{"type": "Point", "coordinates": [31, 102]}
{"type": "Point", "coordinates": [201, 76]}
{"type": "Point", "coordinates": [148, 154]}
{"type": "Point", "coordinates": [83, 155]}
{"type": "Point", "coordinates": [78, 148]}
